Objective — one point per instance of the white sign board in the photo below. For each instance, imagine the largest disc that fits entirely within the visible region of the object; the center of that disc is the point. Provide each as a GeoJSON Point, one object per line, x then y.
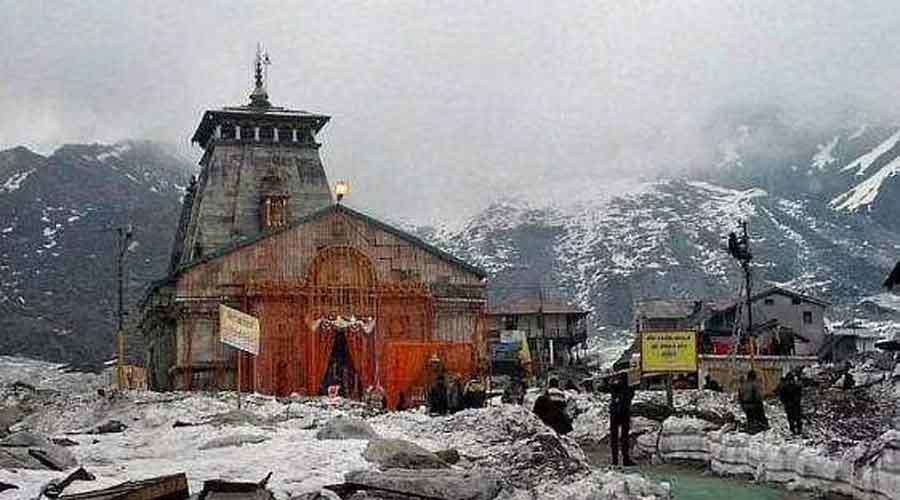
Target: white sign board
{"type": "Point", "coordinates": [239, 330]}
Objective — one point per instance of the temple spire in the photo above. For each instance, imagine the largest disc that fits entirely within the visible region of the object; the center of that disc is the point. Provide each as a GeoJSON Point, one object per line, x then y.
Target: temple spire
{"type": "Point", "coordinates": [259, 97]}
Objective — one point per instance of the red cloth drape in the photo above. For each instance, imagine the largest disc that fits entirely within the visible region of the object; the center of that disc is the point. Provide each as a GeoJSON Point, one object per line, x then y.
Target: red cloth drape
{"type": "Point", "coordinates": [318, 356]}
{"type": "Point", "coordinates": [361, 356]}
{"type": "Point", "coordinates": [405, 366]}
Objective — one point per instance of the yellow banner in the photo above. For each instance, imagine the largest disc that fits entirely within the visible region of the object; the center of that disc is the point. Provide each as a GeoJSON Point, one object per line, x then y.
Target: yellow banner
{"type": "Point", "coordinates": [238, 329]}
{"type": "Point", "coordinates": [666, 352]}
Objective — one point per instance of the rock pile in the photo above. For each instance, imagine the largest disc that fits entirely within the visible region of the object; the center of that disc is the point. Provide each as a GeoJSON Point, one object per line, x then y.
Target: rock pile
{"type": "Point", "coordinates": [507, 440]}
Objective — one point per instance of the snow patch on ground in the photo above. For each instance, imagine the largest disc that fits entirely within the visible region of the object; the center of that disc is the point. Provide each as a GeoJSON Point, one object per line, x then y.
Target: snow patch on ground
{"type": "Point", "coordinates": [864, 193]}
{"type": "Point", "coordinates": [865, 161]}
{"type": "Point", "coordinates": [825, 154]}
{"type": "Point", "coordinates": [15, 182]}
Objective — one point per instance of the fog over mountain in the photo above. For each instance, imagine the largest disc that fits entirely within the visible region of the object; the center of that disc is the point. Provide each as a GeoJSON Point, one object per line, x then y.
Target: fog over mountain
{"type": "Point", "coordinates": [440, 109]}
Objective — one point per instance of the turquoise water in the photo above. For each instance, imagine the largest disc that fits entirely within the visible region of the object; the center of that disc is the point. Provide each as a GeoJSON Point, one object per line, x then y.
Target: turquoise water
{"type": "Point", "coordinates": [690, 484]}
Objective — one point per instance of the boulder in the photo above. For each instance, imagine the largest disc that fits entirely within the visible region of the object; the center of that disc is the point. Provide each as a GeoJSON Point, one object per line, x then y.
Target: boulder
{"type": "Point", "coordinates": [233, 440]}
{"type": "Point", "coordinates": [322, 494]}
{"type": "Point", "coordinates": [236, 417]}
{"type": "Point", "coordinates": [400, 454]}
{"type": "Point", "coordinates": [447, 484]}
{"type": "Point", "coordinates": [63, 442]}
{"type": "Point", "coordinates": [346, 428]}
{"type": "Point", "coordinates": [113, 426]}
{"type": "Point", "coordinates": [451, 456]}
{"type": "Point", "coordinates": [25, 450]}
{"type": "Point", "coordinates": [9, 416]}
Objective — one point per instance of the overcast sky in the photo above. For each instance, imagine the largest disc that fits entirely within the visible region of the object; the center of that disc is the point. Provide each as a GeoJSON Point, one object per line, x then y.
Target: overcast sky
{"type": "Point", "coordinates": [440, 106]}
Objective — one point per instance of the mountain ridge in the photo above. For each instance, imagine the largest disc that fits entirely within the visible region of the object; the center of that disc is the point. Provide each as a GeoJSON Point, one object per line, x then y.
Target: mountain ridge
{"type": "Point", "coordinates": [603, 247]}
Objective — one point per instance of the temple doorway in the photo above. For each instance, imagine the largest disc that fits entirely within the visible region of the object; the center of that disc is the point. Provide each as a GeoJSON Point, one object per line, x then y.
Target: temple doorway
{"type": "Point", "coordinates": [340, 371]}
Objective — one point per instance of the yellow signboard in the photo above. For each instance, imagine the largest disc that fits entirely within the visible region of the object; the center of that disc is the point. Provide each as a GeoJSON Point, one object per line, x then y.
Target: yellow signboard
{"type": "Point", "coordinates": [667, 352]}
{"type": "Point", "coordinates": [239, 330]}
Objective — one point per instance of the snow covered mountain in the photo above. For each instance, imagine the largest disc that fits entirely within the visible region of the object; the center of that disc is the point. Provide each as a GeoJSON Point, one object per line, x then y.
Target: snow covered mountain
{"type": "Point", "coordinates": [823, 213]}
{"type": "Point", "coordinates": [58, 216]}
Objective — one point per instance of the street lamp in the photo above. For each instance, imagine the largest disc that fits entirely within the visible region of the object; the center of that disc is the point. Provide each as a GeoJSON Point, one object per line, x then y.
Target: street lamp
{"type": "Point", "coordinates": [341, 189]}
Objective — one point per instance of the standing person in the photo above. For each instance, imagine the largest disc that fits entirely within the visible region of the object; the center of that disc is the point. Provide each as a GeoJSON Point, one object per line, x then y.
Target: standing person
{"type": "Point", "coordinates": [514, 393]}
{"type": "Point", "coordinates": [620, 419]}
{"type": "Point", "coordinates": [474, 394]}
{"type": "Point", "coordinates": [790, 392]}
{"type": "Point", "coordinates": [550, 407]}
{"type": "Point", "coordinates": [454, 394]}
{"type": "Point", "coordinates": [437, 396]}
{"type": "Point", "coordinates": [750, 396]}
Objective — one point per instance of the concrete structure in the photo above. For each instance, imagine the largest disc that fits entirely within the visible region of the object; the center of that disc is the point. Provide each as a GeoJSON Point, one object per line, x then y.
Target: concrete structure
{"type": "Point", "coordinates": [552, 327]}
{"type": "Point", "coordinates": [728, 370]}
{"type": "Point", "coordinates": [847, 339]}
{"type": "Point", "coordinates": [775, 307]}
{"type": "Point", "coordinates": [343, 300]}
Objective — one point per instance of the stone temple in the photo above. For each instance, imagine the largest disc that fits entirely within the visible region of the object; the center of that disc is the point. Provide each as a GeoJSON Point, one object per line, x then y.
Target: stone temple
{"type": "Point", "coordinates": [344, 300]}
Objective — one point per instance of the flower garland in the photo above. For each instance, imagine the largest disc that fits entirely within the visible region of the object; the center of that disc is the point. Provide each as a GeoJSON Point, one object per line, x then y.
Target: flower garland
{"type": "Point", "coordinates": [333, 323]}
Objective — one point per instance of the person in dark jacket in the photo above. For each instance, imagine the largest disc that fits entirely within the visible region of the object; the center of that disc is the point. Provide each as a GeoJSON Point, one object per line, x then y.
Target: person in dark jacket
{"type": "Point", "coordinates": [710, 384]}
{"type": "Point", "coordinates": [550, 407]}
{"type": "Point", "coordinates": [437, 396]}
{"type": "Point", "coordinates": [620, 419]}
{"type": "Point", "coordinates": [750, 397]}
{"type": "Point", "coordinates": [474, 394]}
{"type": "Point", "coordinates": [790, 392]}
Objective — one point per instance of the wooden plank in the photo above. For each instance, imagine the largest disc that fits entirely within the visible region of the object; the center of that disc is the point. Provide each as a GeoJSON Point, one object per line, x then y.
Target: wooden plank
{"type": "Point", "coordinates": [174, 487]}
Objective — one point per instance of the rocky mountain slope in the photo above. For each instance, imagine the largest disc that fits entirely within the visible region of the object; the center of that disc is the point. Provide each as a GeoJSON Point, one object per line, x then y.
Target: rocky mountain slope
{"type": "Point", "coordinates": [822, 214]}
{"type": "Point", "coordinates": [58, 216]}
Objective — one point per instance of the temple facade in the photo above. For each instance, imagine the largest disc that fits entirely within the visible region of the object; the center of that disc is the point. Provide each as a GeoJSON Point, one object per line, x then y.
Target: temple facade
{"type": "Point", "coordinates": [344, 300]}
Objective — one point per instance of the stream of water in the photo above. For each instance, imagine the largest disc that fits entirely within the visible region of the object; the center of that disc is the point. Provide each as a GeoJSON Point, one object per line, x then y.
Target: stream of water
{"type": "Point", "coordinates": [693, 483]}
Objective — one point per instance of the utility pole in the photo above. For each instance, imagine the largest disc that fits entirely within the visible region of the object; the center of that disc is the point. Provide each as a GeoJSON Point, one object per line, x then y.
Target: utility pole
{"type": "Point", "coordinates": [124, 240]}
{"type": "Point", "coordinates": [739, 248]}
{"type": "Point", "coordinates": [745, 264]}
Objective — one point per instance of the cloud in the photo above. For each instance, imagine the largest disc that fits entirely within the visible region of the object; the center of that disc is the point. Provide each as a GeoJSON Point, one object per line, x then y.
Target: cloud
{"type": "Point", "coordinates": [437, 107]}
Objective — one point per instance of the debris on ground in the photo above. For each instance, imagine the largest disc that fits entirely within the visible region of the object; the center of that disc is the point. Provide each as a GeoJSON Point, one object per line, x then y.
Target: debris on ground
{"type": "Point", "coordinates": [26, 450]}
{"type": "Point", "coordinates": [449, 484]}
{"type": "Point", "coordinates": [508, 440]}
{"type": "Point", "coordinates": [56, 488]}
{"type": "Point", "coordinates": [171, 487]}
{"type": "Point", "coordinates": [218, 489]}
{"type": "Point", "coordinates": [109, 427]}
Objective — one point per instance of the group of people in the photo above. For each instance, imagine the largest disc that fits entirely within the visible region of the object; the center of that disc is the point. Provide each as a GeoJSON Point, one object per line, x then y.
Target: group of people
{"type": "Point", "coordinates": [789, 391]}
{"type": "Point", "coordinates": [450, 396]}
{"type": "Point", "coordinates": [551, 406]}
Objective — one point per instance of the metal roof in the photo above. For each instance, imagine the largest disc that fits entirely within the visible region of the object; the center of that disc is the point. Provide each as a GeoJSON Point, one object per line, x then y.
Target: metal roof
{"type": "Point", "coordinates": [666, 308]}
{"type": "Point", "coordinates": [535, 305]}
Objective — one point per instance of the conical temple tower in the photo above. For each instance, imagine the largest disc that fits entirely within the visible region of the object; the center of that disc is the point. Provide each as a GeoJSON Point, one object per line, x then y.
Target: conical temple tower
{"type": "Point", "coordinates": [261, 170]}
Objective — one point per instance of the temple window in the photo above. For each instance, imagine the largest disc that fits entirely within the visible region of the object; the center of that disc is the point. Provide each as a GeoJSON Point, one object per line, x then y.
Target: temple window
{"type": "Point", "coordinates": [274, 212]}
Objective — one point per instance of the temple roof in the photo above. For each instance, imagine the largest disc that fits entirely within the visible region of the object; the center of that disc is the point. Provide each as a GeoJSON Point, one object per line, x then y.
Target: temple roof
{"type": "Point", "coordinates": [214, 117]}
{"type": "Point", "coordinates": [414, 240]}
